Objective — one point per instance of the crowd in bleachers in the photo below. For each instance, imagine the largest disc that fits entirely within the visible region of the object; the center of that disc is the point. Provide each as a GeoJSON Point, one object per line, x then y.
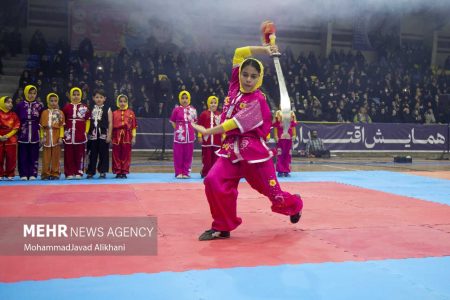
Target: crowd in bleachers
{"type": "Point", "coordinates": [398, 86]}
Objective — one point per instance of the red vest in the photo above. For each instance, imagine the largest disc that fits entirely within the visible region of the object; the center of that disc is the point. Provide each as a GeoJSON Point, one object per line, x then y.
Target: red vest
{"type": "Point", "coordinates": [124, 121]}
{"type": "Point", "coordinates": [76, 116]}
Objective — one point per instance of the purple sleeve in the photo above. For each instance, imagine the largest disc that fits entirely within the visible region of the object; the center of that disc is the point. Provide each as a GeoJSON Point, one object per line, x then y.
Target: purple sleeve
{"type": "Point", "coordinates": [20, 112]}
{"type": "Point", "coordinates": [250, 117]}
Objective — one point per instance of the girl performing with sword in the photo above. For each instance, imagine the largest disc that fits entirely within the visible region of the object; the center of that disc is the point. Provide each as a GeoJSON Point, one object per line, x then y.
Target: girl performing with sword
{"type": "Point", "coordinates": [246, 121]}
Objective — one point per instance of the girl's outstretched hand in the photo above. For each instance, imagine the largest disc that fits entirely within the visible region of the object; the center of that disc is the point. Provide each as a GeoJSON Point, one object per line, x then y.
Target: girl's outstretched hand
{"type": "Point", "coordinates": [199, 128]}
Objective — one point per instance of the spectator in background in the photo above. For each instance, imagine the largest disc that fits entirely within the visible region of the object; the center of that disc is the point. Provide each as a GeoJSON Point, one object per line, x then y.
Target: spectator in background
{"type": "Point", "coordinates": [429, 116]}
{"type": "Point", "coordinates": [38, 44]}
{"type": "Point", "coordinates": [382, 116]}
{"type": "Point", "coordinates": [315, 147]}
{"type": "Point", "coordinates": [25, 79]}
{"type": "Point", "coordinates": [86, 50]}
{"type": "Point", "coordinates": [329, 112]}
{"type": "Point", "coordinates": [63, 48]}
{"type": "Point", "coordinates": [316, 111]}
{"type": "Point", "coordinates": [345, 79]}
{"type": "Point", "coordinates": [338, 116]}
{"type": "Point", "coordinates": [406, 116]}
{"type": "Point", "coordinates": [417, 117]}
{"type": "Point", "coordinates": [144, 111]}
{"type": "Point", "coordinates": [59, 65]}
{"type": "Point", "coordinates": [18, 96]}
{"type": "Point", "coordinates": [362, 116]}
{"type": "Point", "coordinates": [395, 117]}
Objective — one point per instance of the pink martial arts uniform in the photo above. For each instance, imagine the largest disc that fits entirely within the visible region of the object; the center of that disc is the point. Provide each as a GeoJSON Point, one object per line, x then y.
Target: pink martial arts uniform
{"type": "Point", "coordinates": [244, 154]}
{"type": "Point", "coordinates": [183, 138]}
{"type": "Point", "coordinates": [284, 145]}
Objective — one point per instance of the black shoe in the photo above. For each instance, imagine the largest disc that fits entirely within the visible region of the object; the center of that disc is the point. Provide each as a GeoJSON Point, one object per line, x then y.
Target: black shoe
{"type": "Point", "coordinates": [279, 174]}
{"type": "Point", "coordinates": [118, 175]}
{"type": "Point", "coordinates": [89, 176]}
{"type": "Point", "coordinates": [124, 176]}
{"type": "Point", "coordinates": [287, 175]}
{"type": "Point", "coordinates": [295, 218]}
{"type": "Point", "coordinates": [213, 234]}
{"type": "Point", "coordinates": [102, 176]}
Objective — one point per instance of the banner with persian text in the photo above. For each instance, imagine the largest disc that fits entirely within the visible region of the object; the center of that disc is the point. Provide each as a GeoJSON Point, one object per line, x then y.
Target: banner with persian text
{"type": "Point", "coordinates": [377, 137]}
{"type": "Point", "coordinates": [339, 137]}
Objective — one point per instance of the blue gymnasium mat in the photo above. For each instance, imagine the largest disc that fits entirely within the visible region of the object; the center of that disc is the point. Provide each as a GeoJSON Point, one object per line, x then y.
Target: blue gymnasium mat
{"type": "Point", "coordinates": [420, 187]}
{"type": "Point", "coordinates": [408, 279]}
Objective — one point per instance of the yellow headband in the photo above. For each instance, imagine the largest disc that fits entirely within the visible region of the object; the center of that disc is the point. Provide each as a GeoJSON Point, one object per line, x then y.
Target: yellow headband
{"type": "Point", "coordinates": [72, 90]}
{"type": "Point", "coordinates": [260, 79]}
{"type": "Point", "coordinates": [278, 115]}
{"type": "Point", "coordinates": [27, 89]}
{"type": "Point", "coordinates": [117, 101]}
{"type": "Point", "coordinates": [187, 94]}
{"type": "Point", "coordinates": [210, 98]}
{"type": "Point", "coordinates": [293, 116]}
{"type": "Point", "coordinates": [3, 105]}
{"type": "Point", "coordinates": [51, 95]}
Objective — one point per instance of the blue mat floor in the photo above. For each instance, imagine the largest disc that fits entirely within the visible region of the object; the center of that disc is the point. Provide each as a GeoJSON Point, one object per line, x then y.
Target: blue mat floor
{"type": "Point", "coordinates": [408, 279]}
{"type": "Point", "coordinates": [425, 188]}
{"type": "Point", "coordinates": [414, 278]}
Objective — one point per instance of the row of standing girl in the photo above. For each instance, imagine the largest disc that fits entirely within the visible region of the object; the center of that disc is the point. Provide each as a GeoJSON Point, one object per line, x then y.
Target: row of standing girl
{"type": "Point", "coordinates": [31, 126]}
{"type": "Point", "coordinates": [183, 142]}
{"type": "Point", "coordinates": [184, 135]}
